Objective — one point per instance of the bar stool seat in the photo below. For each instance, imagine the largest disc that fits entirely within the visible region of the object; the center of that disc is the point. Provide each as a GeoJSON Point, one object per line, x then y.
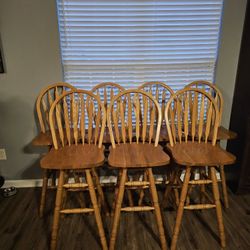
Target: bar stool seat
{"type": "Point", "coordinates": [200, 154]}
{"type": "Point", "coordinates": [224, 134]}
{"type": "Point", "coordinates": [43, 139]}
{"type": "Point", "coordinates": [137, 155]}
{"type": "Point", "coordinates": [74, 157]}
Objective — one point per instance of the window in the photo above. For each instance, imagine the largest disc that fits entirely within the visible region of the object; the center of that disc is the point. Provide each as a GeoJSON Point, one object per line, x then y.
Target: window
{"type": "Point", "coordinates": [134, 41]}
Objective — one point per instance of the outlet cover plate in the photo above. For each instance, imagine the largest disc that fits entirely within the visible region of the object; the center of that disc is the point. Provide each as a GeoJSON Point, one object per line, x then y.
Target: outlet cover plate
{"type": "Point", "coordinates": [3, 154]}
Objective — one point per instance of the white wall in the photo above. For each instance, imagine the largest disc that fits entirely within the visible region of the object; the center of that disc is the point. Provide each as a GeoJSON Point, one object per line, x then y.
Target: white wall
{"type": "Point", "coordinates": [30, 43]}
{"type": "Point", "coordinates": [232, 27]}
{"type": "Point", "coordinates": [31, 51]}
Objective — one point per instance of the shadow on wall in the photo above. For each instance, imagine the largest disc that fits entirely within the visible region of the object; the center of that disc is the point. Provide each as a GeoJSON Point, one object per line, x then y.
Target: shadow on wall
{"type": "Point", "coordinates": [17, 130]}
{"type": "Point", "coordinates": [29, 148]}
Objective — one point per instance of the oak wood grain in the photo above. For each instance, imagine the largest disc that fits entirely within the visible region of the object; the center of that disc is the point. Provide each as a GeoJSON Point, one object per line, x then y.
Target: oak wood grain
{"type": "Point", "coordinates": [200, 154]}
{"type": "Point", "coordinates": [73, 157]}
{"type": "Point", "coordinates": [225, 134]}
{"type": "Point", "coordinates": [43, 139]}
{"type": "Point", "coordinates": [137, 156]}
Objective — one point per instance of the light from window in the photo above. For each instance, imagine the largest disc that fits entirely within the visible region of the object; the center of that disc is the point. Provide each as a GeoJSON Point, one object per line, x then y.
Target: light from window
{"type": "Point", "coordinates": [135, 41]}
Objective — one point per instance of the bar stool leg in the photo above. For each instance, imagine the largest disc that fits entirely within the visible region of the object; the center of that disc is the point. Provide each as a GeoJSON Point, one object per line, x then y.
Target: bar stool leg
{"type": "Point", "coordinates": [224, 186]}
{"type": "Point", "coordinates": [157, 209]}
{"type": "Point", "coordinates": [180, 208]}
{"type": "Point", "coordinates": [53, 178]}
{"type": "Point", "coordinates": [96, 210]}
{"type": "Point", "coordinates": [118, 209]}
{"type": "Point", "coordinates": [43, 193]}
{"type": "Point", "coordinates": [218, 206]}
{"type": "Point", "coordinates": [100, 191]}
{"type": "Point", "coordinates": [190, 188]}
{"type": "Point", "coordinates": [58, 202]}
{"type": "Point", "coordinates": [116, 193]}
{"type": "Point", "coordinates": [142, 193]}
{"type": "Point", "coordinates": [176, 195]}
{"type": "Point", "coordinates": [64, 193]}
{"type": "Point", "coordinates": [202, 187]}
{"type": "Point", "coordinates": [130, 196]}
{"type": "Point", "coordinates": [177, 182]}
{"type": "Point", "coordinates": [169, 188]}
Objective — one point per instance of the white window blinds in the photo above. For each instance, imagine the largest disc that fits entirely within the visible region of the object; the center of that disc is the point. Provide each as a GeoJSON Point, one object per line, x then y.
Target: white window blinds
{"type": "Point", "coordinates": [134, 41]}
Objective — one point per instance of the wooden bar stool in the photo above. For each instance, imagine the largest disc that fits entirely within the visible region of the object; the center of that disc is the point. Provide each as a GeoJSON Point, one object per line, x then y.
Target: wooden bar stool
{"type": "Point", "coordinates": [223, 133]}
{"type": "Point", "coordinates": [135, 108]}
{"type": "Point", "coordinates": [44, 101]}
{"type": "Point", "coordinates": [106, 91]}
{"type": "Point", "coordinates": [71, 114]}
{"type": "Point", "coordinates": [187, 113]}
{"type": "Point", "coordinates": [161, 92]}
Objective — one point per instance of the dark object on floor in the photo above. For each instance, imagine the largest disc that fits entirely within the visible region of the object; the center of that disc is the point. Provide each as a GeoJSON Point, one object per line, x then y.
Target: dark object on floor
{"type": "Point", "coordinates": [7, 192]}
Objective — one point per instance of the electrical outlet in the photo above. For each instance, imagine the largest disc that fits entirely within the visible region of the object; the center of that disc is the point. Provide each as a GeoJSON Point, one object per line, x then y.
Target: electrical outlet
{"type": "Point", "coordinates": [3, 154]}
